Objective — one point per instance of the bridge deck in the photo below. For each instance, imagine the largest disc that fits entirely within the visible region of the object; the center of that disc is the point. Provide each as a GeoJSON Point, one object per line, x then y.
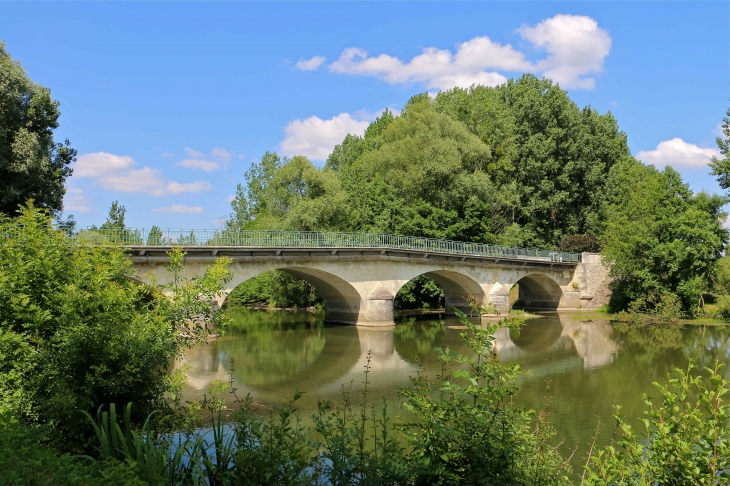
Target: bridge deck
{"type": "Point", "coordinates": [151, 243]}
{"type": "Point", "coordinates": [158, 254]}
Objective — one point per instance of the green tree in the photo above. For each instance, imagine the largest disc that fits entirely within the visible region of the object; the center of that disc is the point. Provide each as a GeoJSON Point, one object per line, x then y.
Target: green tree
{"type": "Point", "coordinates": [660, 239]}
{"type": "Point", "coordinates": [32, 164]}
{"type": "Point", "coordinates": [721, 167]}
{"type": "Point", "coordinates": [115, 229]}
{"type": "Point", "coordinates": [77, 333]}
{"type": "Point", "coordinates": [288, 194]}
{"type": "Point", "coordinates": [155, 237]}
{"type": "Point", "coordinates": [550, 159]}
{"type": "Point", "coordinates": [424, 175]}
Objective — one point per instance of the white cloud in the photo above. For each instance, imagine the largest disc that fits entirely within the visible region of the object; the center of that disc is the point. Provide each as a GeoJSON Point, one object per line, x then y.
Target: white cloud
{"type": "Point", "coordinates": [575, 47]}
{"type": "Point", "coordinates": [311, 64]}
{"type": "Point", "coordinates": [194, 153]}
{"type": "Point", "coordinates": [437, 68]}
{"type": "Point", "coordinates": [74, 200]}
{"type": "Point", "coordinates": [218, 159]}
{"type": "Point", "coordinates": [120, 173]}
{"type": "Point", "coordinates": [167, 154]}
{"type": "Point", "coordinates": [678, 154]}
{"type": "Point", "coordinates": [315, 138]}
{"type": "Point", "coordinates": [229, 198]}
{"type": "Point", "coordinates": [179, 208]}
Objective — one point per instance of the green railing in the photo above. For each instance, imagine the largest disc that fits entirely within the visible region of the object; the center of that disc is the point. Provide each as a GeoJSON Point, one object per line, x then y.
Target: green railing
{"type": "Point", "coordinates": [309, 239]}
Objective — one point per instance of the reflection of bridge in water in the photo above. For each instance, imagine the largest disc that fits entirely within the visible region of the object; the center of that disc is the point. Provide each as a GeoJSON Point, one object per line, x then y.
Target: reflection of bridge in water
{"type": "Point", "coordinates": [567, 344]}
{"type": "Point", "coordinates": [591, 341]}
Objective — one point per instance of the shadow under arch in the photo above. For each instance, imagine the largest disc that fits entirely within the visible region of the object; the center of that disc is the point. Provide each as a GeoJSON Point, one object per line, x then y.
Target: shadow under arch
{"type": "Point", "coordinates": [538, 292]}
{"type": "Point", "coordinates": [341, 300]}
{"type": "Point", "coordinates": [456, 287]}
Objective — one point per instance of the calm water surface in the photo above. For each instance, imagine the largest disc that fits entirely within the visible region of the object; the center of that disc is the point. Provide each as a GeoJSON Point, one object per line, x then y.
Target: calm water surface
{"type": "Point", "coordinates": [590, 365]}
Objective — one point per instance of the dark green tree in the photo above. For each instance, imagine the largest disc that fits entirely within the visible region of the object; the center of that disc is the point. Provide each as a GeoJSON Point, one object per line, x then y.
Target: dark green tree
{"type": "Point", "coordinates": [550, 159]}
{"type": "Point", "coordinates": [154, 238]}
{"type": "Point", "coordinates": [661, 239]}
{"type": "Point", "coordinates": [32, 164]}
{"type": "Point", "coordinates": [115, 217]}
{"type": "Point", "coordinates": [721, 167]}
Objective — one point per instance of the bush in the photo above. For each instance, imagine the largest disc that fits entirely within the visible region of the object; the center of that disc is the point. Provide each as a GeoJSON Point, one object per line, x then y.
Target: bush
{"type": "Point", "coordinates": [580, 243]}
{"type": "Point", "coordinates": [26, 458]}
{"type": "Point", "coordinates": [77, 333]}
{"type": "Point", "coordinates": [686, 438]}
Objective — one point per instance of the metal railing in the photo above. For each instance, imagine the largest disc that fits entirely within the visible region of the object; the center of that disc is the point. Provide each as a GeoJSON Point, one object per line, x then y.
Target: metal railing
{"type": "Point", "coordinates": [308, 239]}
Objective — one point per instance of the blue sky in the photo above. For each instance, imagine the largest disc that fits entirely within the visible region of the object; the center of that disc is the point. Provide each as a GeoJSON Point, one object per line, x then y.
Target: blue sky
{"type": "Point", "coordinates": [168, 104]}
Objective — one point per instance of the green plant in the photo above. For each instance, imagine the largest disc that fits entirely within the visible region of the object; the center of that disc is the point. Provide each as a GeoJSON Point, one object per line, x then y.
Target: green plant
{"type": "Point", "coordinates": [467, 432]}
{"type": "Point", "coordinates": [479, 307]}
{"type": "Point", "coordinates": [148, 453]}
{"type": "Point", "coordinates": [28, 458]}
{"type": "Point", "coordinates": [76, 332]}
{"type": "Point", "coordinates": [686, 437]}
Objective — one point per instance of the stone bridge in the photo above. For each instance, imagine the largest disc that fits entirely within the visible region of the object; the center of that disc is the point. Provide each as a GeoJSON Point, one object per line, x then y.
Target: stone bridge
{"type": "Point", "coordinates": [358, 276]}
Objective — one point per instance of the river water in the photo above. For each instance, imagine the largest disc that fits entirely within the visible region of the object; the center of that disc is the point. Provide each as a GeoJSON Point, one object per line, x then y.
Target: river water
{"type": "Point", "coordinates": [589, 364]}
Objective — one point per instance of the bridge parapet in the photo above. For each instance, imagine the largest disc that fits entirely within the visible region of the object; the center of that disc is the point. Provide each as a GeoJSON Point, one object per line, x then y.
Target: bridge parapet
{"type": "Point", "coordinates": [143, 237]}
{"type": "Point", "coordinates": [358, 275]}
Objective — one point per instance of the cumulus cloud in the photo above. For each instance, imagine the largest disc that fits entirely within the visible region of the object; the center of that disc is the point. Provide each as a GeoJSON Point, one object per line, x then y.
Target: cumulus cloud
{"type": "Point", "coordinates": [437, 68]}
{"type": "Point", "coordinates": [218, 159]}
{"type": "Point", "coordinates": [678, 154]}
{"type": "Point", "coordinates": [575, 45]}
{"type": "Point", "coordinates": [121, 173]}
{"type": "Point", "coordinates": [311, 64]}
{"type": "Point", "coordinates": [179, 208]}
{"type": "Point", "coordinates": [74, 200]}
{"type": "Point", "coordinates": [315, 138]}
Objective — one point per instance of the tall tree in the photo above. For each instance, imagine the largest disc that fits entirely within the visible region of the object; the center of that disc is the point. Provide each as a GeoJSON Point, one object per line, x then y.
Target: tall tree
{"type": "Point", "coordinates": [661, 240]}
{"type": "Point", "coordinates": [721, 167]}
{"type": "Point", "coordinates": [32, 164]}
{"type": "Point", "coordinates": [422, 174]}
{"type": "Point", "coordinates": [115, 218]}
{"type": "Point", "coordinates": [550, 159]}
{"type": "Point", "coordinates": [288, 194]}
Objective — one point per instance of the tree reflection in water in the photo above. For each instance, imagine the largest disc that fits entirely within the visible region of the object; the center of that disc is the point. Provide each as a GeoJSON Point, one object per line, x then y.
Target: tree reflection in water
{"type": "Point", "coordinates": [589, 365]}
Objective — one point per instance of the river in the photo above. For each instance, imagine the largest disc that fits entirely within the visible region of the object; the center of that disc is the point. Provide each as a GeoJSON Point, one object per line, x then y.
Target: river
{"type": "Point", "coordinates": [590, 364]}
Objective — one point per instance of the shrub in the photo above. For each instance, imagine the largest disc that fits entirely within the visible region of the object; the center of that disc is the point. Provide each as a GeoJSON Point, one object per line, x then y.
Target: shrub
{"type": "Point", "coordinates": [580, 243]}
{"type": "Point", "coordinates": [77, 333]}
{"type": "Point", "coordinates": [686, 438]}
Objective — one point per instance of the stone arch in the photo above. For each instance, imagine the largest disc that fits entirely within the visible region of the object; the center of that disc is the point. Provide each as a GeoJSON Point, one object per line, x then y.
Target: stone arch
{"type": "Point", "coordinates": [538, 292]}
{"type": "Point", "coordinates": [341, 300]}
{"type": "Point", "coordinates": [456, 287]}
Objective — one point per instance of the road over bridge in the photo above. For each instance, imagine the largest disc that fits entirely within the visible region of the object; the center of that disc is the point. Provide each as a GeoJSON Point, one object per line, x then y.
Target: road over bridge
{"type": "Point", "coordinates": [358, 275]}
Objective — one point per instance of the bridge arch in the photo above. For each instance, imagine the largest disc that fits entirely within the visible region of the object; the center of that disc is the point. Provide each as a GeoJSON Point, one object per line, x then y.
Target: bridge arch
{"type": "Point", "coordinates": [456, 286]}
{"type": "Point", "coordinates": [342, 302]}
{"type": "Point", "coordinates": [538, 292]}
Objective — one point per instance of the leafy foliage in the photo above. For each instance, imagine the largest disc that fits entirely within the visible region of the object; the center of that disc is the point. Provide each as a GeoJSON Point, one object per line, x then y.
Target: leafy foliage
{"type": "Point", "coordinates": [275, 289]}
{"type": "Point", "coordinates": [720, 168]}
{"type": "Point", "coordinates": [686, 438]}
{"type": "Point", "coordinates": [660, 239]}
{"type": "Point", "coordinates": [77, 333]}
{"type": "Point", "coordinates": [580, 243]}
{"type": "Point", "coordinates": [32, 164]}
